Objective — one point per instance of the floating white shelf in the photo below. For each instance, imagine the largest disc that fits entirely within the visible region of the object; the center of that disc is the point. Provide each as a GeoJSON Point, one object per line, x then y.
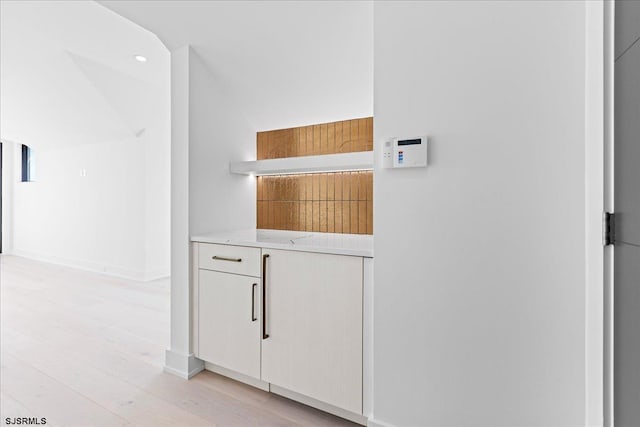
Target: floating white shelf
{"type": "Point", "coordinates": [362, 160]}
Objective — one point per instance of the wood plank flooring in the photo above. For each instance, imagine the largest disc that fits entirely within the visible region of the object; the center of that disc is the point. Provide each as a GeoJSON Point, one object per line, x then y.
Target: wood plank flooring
{"type": "Point", "coordinates": [83, 349]}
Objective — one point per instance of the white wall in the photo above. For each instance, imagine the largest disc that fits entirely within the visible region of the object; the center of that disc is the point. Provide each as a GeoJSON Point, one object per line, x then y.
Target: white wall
{"type": "Point", "coordinates": [7, 193]}
{"type": "Point", "coordinates": [218, 134]}
{"type": "Point", "coordinates": [157, 190]}
{"type": "Point", "coordinates": [480, 264]}
{"type": "Point", "coordinates": [112, 220]}
{"type": "Point", "coordinates": [93, 221]}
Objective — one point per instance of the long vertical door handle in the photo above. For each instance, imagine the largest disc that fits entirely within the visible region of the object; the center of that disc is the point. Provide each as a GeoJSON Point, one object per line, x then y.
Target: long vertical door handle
{"type": "Point", "coordinates": [265, 335]}
{"type": "Point", "coordinates": [253, 302]}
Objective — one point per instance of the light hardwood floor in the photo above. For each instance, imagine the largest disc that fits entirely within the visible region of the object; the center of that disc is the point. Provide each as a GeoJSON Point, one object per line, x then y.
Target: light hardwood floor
{"type": "Point", "coordinates": [83, 349]}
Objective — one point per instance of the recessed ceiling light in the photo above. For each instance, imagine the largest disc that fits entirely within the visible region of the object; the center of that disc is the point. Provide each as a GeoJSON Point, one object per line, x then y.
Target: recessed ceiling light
{"type": "Point", "coordinates": [140, 58]}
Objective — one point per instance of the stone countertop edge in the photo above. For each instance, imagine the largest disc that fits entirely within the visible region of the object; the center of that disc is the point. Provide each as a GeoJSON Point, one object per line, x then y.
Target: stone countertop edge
{"type": "Point", "coordinates": [327, 243]}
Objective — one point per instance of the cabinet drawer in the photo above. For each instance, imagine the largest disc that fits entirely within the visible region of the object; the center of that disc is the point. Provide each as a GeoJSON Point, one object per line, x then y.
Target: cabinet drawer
{"type": "Point", "coordinates": [229, 259]}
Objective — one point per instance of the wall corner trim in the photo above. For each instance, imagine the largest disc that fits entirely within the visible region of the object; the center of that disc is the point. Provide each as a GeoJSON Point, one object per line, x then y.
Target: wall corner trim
{"type": "Point", "coordinates": [182, 365]}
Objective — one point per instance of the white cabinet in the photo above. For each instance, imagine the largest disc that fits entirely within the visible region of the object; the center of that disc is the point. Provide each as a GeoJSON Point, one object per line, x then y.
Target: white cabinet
{"type": "Point", "coordinates": [308, 345]}
{"type": "Point", "coordinates": [228, 321]}
{"type": "Point", "coordinates": [313, 314]}
{"type": "Point", "coordinates": [227, 317]}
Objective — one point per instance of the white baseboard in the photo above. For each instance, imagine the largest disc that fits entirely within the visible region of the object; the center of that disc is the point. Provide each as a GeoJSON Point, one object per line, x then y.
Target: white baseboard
{"type": "Point", "coordinates": [160, 273]}
{"type": "Point", "coordinates": [371, 422]}
{"type": "Point", "coordinates": [94, 267]}
{"type": "Point", "coordinates": [182, 365]}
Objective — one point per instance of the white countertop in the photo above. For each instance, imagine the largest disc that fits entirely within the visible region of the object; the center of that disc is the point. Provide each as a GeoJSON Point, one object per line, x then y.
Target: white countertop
{"type": "Point", "coordinates": [329, 243]}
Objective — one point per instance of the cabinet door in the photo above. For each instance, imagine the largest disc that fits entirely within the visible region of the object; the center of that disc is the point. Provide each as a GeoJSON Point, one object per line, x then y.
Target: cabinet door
{"type": "Point", "coordinates": [229, 325]}
{"type": "Point", "coordinates": [314, 326]}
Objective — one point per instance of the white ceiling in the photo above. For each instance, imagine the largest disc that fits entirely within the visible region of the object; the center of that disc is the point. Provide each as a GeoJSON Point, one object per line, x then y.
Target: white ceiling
{"type": "Point", "coordinates": [286, 63]}
{"type": "Point", "coordinates": [67, 74]}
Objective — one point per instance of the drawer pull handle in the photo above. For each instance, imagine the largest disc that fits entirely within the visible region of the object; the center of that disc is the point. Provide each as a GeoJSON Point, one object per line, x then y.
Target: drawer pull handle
{"type": "Point", "coordinates": [222, 258]}
{"type": "Point", "coordinates": [265, 335]}
{"type": "Point", "coordinates": [253, 302]}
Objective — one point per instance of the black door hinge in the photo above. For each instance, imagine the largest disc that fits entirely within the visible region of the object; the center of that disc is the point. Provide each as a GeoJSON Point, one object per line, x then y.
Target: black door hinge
{"type": "Point", "coordinates": [609, 229]}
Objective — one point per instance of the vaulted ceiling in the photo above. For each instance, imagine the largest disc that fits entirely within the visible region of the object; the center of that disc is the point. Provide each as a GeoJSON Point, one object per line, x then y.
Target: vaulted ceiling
{"type": "Point", "coordinates": [67, 73]}
{"type": "Point", "coordinates": [286, 63]}
{"type": "Point", "coordinates": [68, 76]}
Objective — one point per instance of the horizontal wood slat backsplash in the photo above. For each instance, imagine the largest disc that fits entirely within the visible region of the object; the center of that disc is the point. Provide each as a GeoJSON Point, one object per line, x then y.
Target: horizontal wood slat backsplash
{"type": "Point", "coordinates": [340, 202]}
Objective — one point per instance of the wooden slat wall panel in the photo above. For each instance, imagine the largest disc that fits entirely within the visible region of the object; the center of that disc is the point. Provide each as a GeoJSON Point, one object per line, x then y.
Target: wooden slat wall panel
{"type": "Point", "coordinates": [345, 138]}
{"type": "Point", "coordinates": [328, 138]}
{"type": "Point", "coordinates": [340, 202]}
